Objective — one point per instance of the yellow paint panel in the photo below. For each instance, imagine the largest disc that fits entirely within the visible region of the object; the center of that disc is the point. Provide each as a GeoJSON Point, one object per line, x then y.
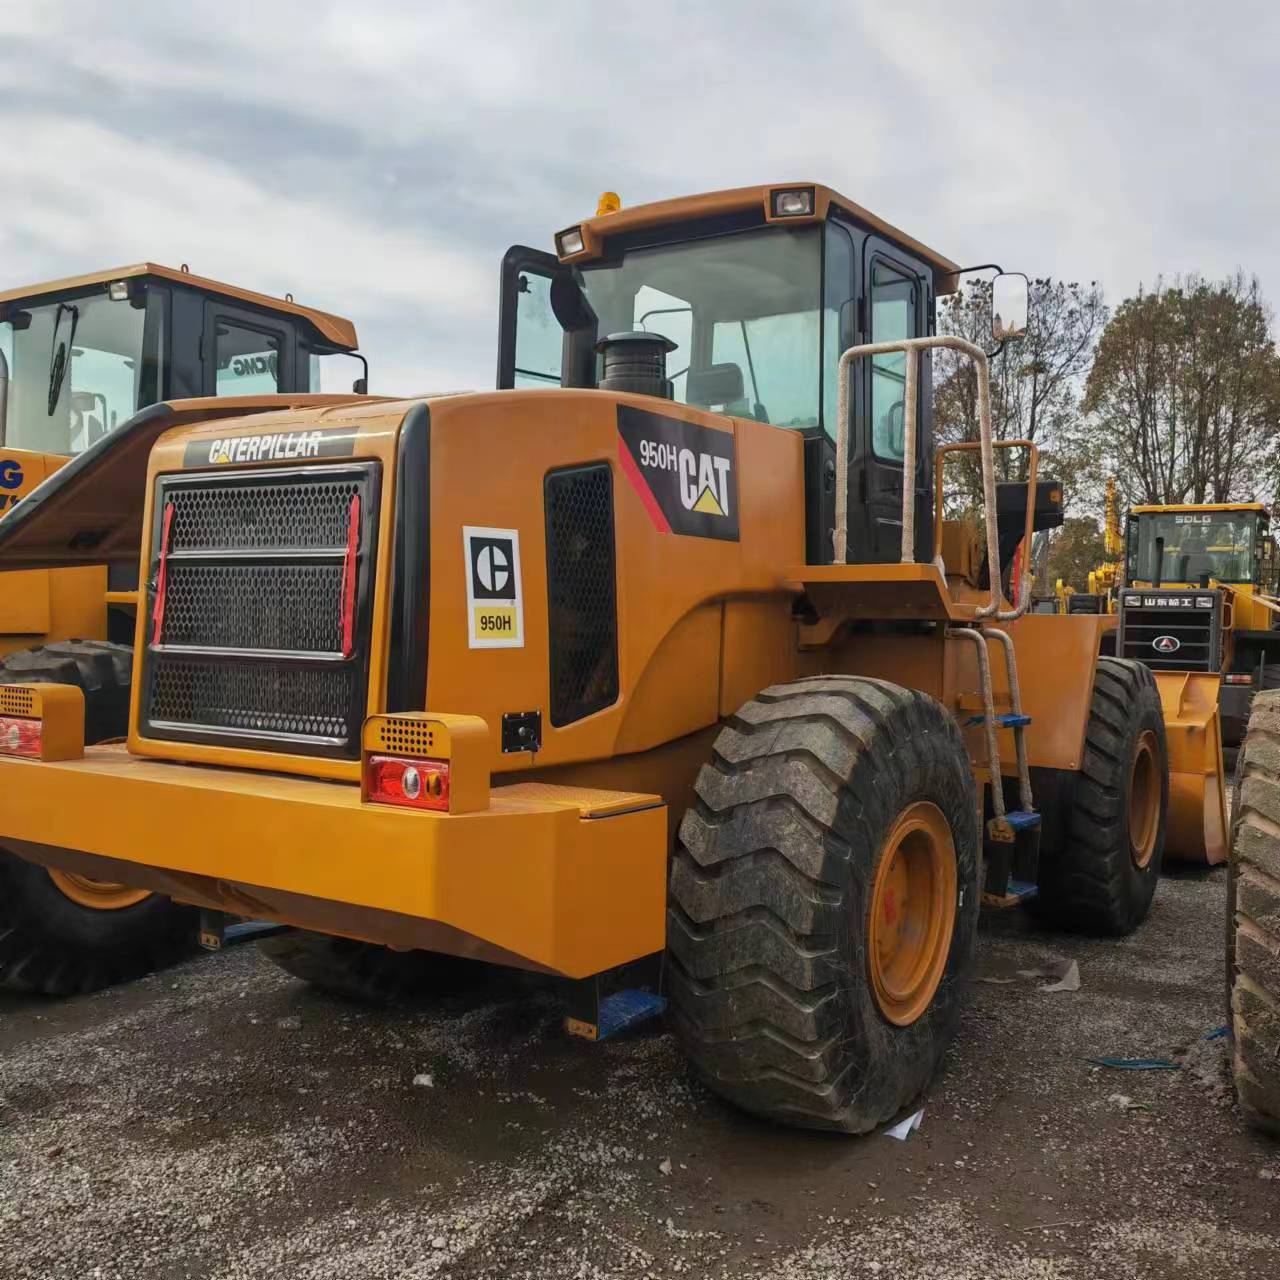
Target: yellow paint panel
{"type": "Point", "coordinates": [527, 875]}
{"type": "Point", "coordinates": [1196, 830]}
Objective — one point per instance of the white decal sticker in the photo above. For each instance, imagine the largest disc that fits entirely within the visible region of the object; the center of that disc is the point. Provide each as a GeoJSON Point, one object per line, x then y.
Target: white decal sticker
{"type": "Point", "coordinates": [495, 605]}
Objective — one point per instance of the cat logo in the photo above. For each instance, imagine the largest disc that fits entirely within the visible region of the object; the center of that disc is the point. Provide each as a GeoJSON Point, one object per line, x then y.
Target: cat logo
{"type": "Point", "coordinates": [685, 474]}
{"type": "Point", "coordinates": [495, 610]}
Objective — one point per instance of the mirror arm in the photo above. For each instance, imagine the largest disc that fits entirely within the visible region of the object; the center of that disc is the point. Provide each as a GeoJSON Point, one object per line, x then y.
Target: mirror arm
{"type": "Point", "coordinates": [361, 386]}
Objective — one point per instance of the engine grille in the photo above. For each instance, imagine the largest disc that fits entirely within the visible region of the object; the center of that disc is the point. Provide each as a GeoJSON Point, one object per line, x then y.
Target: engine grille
{"type": "Point", "coordinates": [252, 648]}
{"type": "Point", "coordinates": [581, 592]}
{"type": "Point", "coordinates": [1172, 630]}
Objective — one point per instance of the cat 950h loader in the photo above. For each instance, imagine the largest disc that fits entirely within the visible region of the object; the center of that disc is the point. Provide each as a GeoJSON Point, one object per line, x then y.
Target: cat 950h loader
{"type": "Point", "coordinates": [662, 650]}
{"type": "Point", "coordinates": [78, 359]}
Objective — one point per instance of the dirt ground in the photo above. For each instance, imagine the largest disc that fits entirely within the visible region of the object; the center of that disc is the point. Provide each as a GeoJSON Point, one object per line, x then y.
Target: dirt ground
{"type": "Point", "coordinates": [221, 1120]}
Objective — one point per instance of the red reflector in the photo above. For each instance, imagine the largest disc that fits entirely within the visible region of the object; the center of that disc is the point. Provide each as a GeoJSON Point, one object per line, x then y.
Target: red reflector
{"type": "Point", "coordinates": [20, 737]}
{"type": "Point", "coordinates": [416, 784]}
{"type": "Point", "coordinates": [1238, 678]}
{"type": "Point", "coordinates": [349, 564]}
{"type": "Point", "coordinates": [162, 574]}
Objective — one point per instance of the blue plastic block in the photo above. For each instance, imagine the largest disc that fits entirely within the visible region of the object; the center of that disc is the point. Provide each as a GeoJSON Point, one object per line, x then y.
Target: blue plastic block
{"type": "Point", "coordinates": [1006, 719]}
{"type": "Point", "coordinates": [1021, 820]}
{"type": "Point", "coordinates": [1023, 889]}
{"type": "Point", "coordinates": [626, 1009]}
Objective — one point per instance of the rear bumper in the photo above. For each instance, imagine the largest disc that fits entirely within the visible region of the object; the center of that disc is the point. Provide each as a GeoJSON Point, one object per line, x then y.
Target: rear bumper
{"type": "Point", "coordinates": [561, 879]}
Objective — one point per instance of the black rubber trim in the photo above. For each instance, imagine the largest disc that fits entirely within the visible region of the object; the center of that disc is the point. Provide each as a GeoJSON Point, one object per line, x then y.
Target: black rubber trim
{"type": "Point", "coordinates": [411, 565]}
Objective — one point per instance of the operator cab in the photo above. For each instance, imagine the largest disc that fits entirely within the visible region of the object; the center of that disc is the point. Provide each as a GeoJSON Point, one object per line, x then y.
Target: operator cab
{"type": "Point", "coordinates": [758, 291]}
{"type": "Point", "coordinates": [83, 355]}
{"type": "Point", "coordinates": [1191, 546]}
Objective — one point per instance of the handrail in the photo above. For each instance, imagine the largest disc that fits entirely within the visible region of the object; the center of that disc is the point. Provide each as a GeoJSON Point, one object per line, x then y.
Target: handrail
{"type": "Point", "coordinates": [1033, 466]}
{"type": "Point", "coordinates": [911, 347]}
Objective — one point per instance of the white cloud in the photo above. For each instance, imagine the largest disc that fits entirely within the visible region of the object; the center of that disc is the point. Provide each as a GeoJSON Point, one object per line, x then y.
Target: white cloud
{"type": "Point", "coordinates": [377, 159]}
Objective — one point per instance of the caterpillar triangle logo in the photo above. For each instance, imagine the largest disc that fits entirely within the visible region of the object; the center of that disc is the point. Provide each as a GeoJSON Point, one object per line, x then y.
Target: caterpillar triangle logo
{"type": "Point", "coordinates": [708, 505]}
{"type": "Point", "coordinates": [685, 474]}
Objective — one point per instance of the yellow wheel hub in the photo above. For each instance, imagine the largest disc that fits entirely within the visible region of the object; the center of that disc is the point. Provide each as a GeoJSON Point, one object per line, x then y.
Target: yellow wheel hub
{"type": "Point", "coordinates": [97, 895]}
{"type": "Point", "coordinates": [913, 907]}
{"type": "Point", "coordinates": [1144, 800]}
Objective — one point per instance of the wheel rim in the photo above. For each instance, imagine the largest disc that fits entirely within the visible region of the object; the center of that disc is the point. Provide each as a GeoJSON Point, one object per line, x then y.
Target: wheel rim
{"type": "Point", "coordinates": [1144, 800]}
{"type": "Point", "coordinates": [97, 895]}
{"type": "Point", "coordinates": [912, 913]}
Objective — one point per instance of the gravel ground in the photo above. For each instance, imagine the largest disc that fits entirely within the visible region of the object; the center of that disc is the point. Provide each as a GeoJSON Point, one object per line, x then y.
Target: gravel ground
{"type": "Point", "coordinates": [221, 1120]}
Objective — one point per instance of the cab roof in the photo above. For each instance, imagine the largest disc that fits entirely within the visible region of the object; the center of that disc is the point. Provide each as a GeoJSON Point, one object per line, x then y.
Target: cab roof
{"type": "Point", "coordinates": [335, 329]}
{"type": "Point", "coordinates": [596, 230]}
{"type": "Point", "coordinates": [1158, 509]}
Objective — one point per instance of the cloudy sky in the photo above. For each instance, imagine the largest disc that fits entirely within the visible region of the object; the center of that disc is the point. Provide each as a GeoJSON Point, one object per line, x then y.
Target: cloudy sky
{"type": "Point", "coordinates": [376, 158]}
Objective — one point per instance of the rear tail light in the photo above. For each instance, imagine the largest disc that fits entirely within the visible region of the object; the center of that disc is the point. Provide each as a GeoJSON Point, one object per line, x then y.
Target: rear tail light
{"type": "Point", "coordinates": [19, 737]}
{"type": "Point", "coordinates": [413, 784]}
{"type": "Point", "coordinates": [1241, 677]}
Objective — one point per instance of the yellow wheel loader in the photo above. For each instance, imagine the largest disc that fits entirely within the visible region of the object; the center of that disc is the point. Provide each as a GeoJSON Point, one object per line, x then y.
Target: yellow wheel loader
{"type": "Point", "coordinates": [657, 670]}
{"type": "Point", "coordinates": [78, 358]}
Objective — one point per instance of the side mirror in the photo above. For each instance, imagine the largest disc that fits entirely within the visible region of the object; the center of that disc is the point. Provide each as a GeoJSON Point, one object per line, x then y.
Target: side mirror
{"type": "Point", "coordinates": [360, 387]}
{"type": "Point", "coordinates": [1010, 303]}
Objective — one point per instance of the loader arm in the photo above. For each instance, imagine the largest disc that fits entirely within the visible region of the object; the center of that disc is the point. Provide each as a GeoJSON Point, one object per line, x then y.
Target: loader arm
{"type": "Point", "coordinates": [90, 511]}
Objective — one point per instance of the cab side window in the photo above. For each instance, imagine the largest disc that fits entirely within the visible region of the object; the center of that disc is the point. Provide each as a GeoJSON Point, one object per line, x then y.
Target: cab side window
{"type": "Point", "coordinates": [894, 308]}
{"type": "Point", "coordinates": [247, 361]}
{"type": "Point", "coordinates": [539, 337]}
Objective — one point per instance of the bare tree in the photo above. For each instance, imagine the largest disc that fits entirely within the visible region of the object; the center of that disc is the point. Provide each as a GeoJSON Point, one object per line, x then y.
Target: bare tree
{"type": "Point", "coordinates": [1184, 396]}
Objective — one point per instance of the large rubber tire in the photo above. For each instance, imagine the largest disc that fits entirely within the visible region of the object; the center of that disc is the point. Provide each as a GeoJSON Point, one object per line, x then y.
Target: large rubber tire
{"type": "Point", "coordinates": [770, 901]}
{"type": "Point", "coordinates": [1253, 919]}
{"type": "Point", "coordinates": [1097, 883]}
{"type": "Point", "coordinates": [365, 973]}
{"type": "Point", "coordinates": [51, 944]}
{"type": "Point", "coordinates": [103, 670]}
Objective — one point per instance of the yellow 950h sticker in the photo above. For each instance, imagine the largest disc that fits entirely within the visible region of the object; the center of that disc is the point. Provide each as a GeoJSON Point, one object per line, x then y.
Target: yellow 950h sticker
{"type": "Point", "coordinates": [495, 604]}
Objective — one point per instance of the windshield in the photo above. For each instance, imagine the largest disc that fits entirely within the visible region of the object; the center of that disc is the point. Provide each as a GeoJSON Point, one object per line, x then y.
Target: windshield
{"type": "Point", "coordinates": [743, 310]}
{"type": "Point", "coordinates": [75, 371]}
{"type": "Point", "coordinates": [1219, 544]}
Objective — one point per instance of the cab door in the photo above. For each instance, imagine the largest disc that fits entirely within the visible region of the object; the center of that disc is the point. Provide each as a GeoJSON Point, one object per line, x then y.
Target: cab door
{"type": "Point", "coordinates": [894, 305]}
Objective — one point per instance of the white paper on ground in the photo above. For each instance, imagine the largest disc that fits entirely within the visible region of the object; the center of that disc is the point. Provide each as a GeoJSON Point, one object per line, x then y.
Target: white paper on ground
{"type": "Point", "coordinates": [904, 1128]}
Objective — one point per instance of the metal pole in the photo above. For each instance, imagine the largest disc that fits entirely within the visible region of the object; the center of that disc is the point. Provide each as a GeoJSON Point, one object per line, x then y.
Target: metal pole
{"type": "Point", "coordinates": [909, 458]}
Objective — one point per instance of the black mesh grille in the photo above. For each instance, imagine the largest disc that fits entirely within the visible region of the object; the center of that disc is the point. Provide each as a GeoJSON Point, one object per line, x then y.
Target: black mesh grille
{"type": "Point", "coordinates": [292, 607]}
{"type": "Point", "coordinates": [1171, 630]}
{"type": "Point", "coordinates": [231, 516]}
{"type": "Point", "coordinates": [251, 645]}
{"type": "Point", "coordinates": [581, 596]}
{"type": "Point", "coordinates": [254, 697]}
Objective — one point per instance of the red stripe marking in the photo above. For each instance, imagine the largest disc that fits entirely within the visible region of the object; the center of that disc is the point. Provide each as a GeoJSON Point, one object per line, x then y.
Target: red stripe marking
{"type": "Point", "coordinates": [349, 580]}
{"type": "Point", "coordinates": [641, 486]}
{"type": "Point", "coordinates": [162, 574]}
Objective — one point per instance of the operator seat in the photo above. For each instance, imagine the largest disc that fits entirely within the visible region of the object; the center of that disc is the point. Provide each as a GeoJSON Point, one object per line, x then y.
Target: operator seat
{"type": "Point", "coordinates": [719, 387]}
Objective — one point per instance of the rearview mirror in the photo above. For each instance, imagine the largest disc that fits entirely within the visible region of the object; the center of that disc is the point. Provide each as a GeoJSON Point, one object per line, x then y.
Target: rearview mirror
{"type": "Point", "coordinates": [1009, 306]}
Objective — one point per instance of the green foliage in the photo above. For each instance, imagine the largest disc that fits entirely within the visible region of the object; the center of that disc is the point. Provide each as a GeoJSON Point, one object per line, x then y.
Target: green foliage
{"type": "Point", "coordinates": [1076, 549]}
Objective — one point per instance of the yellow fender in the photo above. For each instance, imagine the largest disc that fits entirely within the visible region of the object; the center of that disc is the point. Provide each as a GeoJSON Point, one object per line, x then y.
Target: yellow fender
{"type": "Point", "coordinates": [1196, 829]}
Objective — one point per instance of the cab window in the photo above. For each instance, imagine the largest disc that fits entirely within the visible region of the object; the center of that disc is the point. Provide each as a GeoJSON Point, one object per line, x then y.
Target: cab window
{"type": "Point", "coordinates": [75, 372]}
{"type": "Point", "coordinates": [247, 361]}
{"type": "Point", "coordinates": [893, 317]}
{"type": "Point", "coordinates": [539, 337]}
